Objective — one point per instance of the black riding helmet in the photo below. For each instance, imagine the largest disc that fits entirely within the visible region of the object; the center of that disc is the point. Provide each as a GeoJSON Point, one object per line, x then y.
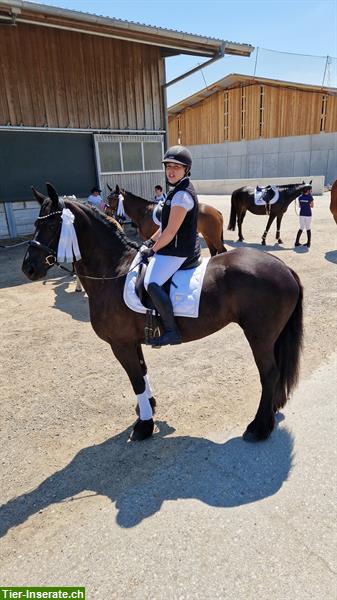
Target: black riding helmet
{"type": "Point", "coordinates": [179, 155]}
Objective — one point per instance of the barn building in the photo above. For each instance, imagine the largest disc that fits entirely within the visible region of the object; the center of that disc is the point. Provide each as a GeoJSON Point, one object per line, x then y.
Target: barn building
{"type": "Point", "coordinates": [83, 102]}
{"type": "Point", "coordinates": [251, 127]}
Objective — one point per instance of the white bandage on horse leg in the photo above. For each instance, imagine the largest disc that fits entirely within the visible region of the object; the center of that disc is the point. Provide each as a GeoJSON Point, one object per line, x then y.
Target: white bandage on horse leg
{"type": "Point", "coordinates": [148, 388]}
{"type": "Point", "coordinates": [145, 410]}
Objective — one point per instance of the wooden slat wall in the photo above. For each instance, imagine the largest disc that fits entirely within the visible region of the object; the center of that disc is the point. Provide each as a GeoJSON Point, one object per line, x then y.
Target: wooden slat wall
{"type": "Point", "coordinates": [286, 112]}
{"type": "Point", "coordinates": [331, 116]}
{"type": "Point", "coordinates": [58, 78]}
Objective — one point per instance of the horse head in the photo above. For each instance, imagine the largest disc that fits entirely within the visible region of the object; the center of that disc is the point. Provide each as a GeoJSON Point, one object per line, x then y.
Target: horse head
{"type": "Point", "coordinates": [113, 200]}
{"type": "Point", "coordinates": [42, 250]}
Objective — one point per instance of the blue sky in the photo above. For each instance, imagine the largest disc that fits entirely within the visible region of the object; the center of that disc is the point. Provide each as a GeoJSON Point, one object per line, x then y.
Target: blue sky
{"type": "Point", "coordinates": [304, 27]}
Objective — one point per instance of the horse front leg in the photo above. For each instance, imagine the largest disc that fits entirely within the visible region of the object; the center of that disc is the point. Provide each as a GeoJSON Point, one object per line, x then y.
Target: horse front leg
{"type": "Point", "coordinates": [148, 388]}
{"type": "Point", "coordinates": [264, 235]}
{"type": "Point", "coordinates": [128, 356]}
{"type": "Point", "coordinates": [278, 228]}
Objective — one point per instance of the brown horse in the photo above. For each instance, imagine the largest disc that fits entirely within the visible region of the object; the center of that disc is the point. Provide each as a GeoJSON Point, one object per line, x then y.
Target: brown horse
{"type": "Point", "coordinates": [333, 202]}
{"type": "Point", "coordinates": [140, 211]}
{"type": "Point", "coordinates": [243, 200]}
{"type": "Point", "coordinates": [244, 286]}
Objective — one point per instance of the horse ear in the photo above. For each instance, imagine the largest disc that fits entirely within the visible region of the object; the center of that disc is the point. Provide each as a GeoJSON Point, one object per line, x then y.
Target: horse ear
{"type": "Point", "coordinates": [117, 189]}
{"type": "Point", "coordinates": [52, 193]}
{"type": "Point", "coordinates": [310, 182]}
{"type": "Point", "coordinates": [39, 197]}
{"type": "Point", "coordinates": [109, 187]}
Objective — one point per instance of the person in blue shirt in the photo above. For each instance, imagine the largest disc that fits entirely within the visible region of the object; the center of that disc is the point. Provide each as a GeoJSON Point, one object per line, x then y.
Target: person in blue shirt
{"type": "Point", "coordinates": [306, 202]}
{"type": "Point", "coordinates": [95, 199]}
{"type": "Point", "coordinates": [159, 195]}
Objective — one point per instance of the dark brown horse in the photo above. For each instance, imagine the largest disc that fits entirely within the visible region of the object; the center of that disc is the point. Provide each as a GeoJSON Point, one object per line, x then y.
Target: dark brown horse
{"type": "Point", "coordinates": [140, 211]}
{"type": "Point", "coordinates": [244, 286]}
{"type": "Point", "coordinates": [243, 200]}
{"type": "Point", "coordinates": [333, 202]}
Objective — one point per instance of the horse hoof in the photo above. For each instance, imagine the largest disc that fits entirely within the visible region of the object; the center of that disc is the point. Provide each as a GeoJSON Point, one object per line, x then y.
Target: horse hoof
{"type": "Point", "coordinates": [263, 243]}
{"type": "Point", "coordinates": [142, 430]}
{"type": "Point", "coordinates": [153, 406]}
{"type": "Point", "coordinates": [251, 437]}
{"type": "Point", "coordinates": [280, 241]}
{"type": "Point", "coordinates": [255, 434]}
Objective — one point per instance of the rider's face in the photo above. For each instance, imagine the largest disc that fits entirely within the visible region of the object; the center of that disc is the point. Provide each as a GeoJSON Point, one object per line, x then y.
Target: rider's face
{"type": "Point", "coordinates": [174, 172]}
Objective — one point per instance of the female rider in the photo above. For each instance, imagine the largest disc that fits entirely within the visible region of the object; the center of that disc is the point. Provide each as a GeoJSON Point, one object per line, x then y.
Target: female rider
{"type": "Point", "coordinates": [176, 241]}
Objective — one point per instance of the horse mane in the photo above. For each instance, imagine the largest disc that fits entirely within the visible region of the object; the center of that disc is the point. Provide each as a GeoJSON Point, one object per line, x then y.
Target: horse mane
{"type": "Point", "coordinates": [138, 197]}
{"type": "Point", "coordinates": [110, 223]}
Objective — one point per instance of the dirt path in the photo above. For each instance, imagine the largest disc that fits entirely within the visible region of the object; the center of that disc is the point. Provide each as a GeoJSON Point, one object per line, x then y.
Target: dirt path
{"type": "Point", "coordinates": [64, 393]}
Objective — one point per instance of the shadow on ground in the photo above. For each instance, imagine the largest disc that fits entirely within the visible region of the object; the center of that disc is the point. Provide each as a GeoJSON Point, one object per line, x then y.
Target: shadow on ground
{"type": "Point", "coordinates": [331, 256]}
{"type": "Point", "coordinates": [258, 246]}
{"type": "Point", "coordinates": [68, 300]}
{"type": "Point", "coordinates": [139, 477]}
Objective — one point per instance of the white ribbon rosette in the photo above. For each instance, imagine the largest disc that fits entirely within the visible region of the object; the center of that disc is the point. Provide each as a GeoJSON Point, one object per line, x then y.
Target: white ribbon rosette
{"type": "Point", "coordinates": [68, 248]}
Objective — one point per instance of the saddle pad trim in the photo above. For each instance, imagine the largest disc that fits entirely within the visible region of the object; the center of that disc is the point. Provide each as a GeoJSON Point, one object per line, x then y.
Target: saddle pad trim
{"type": "Point", "coordinates": [185, 293]}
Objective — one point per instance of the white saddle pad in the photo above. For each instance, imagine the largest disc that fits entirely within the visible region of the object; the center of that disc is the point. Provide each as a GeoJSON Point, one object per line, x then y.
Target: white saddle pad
{"type": "Point", "coordinates": [185, 297]}
{"type": "Point", "coordinates": [259, 200]}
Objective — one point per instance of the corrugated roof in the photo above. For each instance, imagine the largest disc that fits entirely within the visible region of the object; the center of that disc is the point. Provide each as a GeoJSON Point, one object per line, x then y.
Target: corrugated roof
{"type": "Point", "coordinates": [237, 80]}
{"type": "Point", "coordinates": [171, 41]}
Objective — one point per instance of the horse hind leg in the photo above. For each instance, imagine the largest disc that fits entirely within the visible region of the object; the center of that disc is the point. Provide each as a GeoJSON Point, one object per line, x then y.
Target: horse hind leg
{"type": "Point", "coordinates": [210, 246]}
{"type": "Point", "coordinates": [263, 423]}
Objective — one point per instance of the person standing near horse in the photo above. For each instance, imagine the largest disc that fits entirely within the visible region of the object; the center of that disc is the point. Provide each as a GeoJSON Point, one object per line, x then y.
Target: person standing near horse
{"type": "Point", "coordinates": [306, 202]}
{"type": "Point", "coordinates": [159, 195]}
{"type": "Point", "coordinates": [176, 241]}
{"type": "Point", "coordinates": [95, 199]}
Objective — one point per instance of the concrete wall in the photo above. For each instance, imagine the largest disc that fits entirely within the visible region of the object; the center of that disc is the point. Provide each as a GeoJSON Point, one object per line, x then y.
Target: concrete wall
{"type": "Point", "coordinates": [297, 156]}
{"type": "Point", "coordinates": [227, 186]}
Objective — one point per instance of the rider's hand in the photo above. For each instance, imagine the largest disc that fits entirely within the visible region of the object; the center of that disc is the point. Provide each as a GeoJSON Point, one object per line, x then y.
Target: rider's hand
{"type": "Point", "coordinates": [146, 252]}
{"type": "Point", "coordinates": [149, 243]}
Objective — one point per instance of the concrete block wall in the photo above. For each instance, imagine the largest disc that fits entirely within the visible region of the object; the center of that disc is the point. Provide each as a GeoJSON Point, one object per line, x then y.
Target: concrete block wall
{"type": "Point", "coordinates": [296, 156]}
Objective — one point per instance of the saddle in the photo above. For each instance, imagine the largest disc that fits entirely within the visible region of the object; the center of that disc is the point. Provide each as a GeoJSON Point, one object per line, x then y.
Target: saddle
{"type": "Point", "coordinates": [190, 263]}
{"type": "Point", "coordinates": [153, 326]}
{"type": "Point", "coordinates": [266, 195]}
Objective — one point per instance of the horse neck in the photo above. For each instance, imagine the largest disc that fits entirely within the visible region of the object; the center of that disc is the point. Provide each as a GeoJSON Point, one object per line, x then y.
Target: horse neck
{"type": "Point", "coordinates": [134, 206]}
{"type": "Point", "coordinates": [104, 250]}
{"type": "Point", "coordinates": [291, 195]}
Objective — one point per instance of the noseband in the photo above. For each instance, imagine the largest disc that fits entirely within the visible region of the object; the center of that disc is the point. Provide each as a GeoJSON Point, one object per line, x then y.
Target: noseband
{"type": "Point", "coordinates": [51, 258]}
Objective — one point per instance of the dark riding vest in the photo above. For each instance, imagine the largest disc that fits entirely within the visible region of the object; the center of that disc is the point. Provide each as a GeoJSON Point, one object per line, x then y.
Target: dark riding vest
{"type": "Point", "coordinates": [186, 241]}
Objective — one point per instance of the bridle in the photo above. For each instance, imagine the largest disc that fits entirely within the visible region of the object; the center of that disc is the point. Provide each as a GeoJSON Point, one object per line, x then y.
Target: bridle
{"type": "Point", "coordinates": [51, 258]}
{"type": "Point", "coordinates": [51, 254]}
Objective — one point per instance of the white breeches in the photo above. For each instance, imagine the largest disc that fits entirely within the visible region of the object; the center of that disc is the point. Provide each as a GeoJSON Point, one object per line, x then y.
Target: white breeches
{"type": "Point", "coordinates": [305, 222]}
{"type": "Point", "coordinates": [161, 268]}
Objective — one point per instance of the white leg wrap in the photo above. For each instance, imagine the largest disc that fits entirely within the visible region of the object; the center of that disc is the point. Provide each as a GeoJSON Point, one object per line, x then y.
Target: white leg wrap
{"type": "Point", "coordinates": [148, 388]}
{"type": "Point", "coordinates": [145, 410]}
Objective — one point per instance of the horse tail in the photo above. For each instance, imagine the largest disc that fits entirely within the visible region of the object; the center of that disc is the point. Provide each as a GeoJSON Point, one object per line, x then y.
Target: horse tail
{"type": "Point", "coordinates": [232, 218]}
{"type": "Point", "coordinates": [288, 349]}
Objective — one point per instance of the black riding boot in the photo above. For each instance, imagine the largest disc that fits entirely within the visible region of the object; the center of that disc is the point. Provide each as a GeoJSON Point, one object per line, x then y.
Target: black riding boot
{"type": "Point", "coordinates": [297, 241]}
{"type": "Point", "coordinates": [163, 305]}
{"type": "Point", "coordinates": [308, 244]}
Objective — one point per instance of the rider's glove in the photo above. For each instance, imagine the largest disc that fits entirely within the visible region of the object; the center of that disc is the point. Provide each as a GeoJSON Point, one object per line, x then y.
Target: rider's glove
{"type": "Point", "coordinates": [146, 252]}
{"type": "Point", "coordinates": [149, 243]}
